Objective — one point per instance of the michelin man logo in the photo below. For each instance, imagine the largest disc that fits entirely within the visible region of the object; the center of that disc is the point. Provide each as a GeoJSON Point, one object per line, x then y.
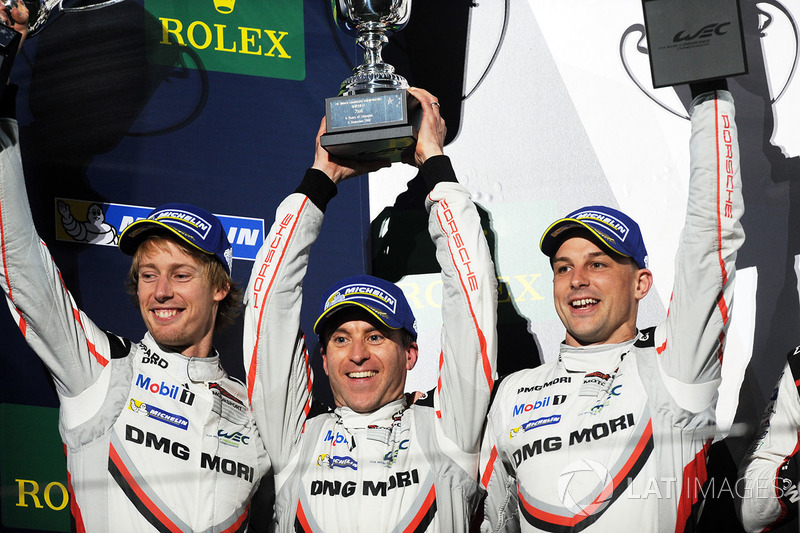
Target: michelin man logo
{"type": "Point", "coordinates": [582, 473]}
{"type": "Point", "coordinates": [334, 299]}
{"type": "Point", "coordinates": [138, 407]}
{"type": "Point", "coordinates": [94, 230]}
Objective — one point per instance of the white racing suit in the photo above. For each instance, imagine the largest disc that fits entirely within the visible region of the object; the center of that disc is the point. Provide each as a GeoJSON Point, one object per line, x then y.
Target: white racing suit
{"type": "Point", "coordinates": [155, 441]}
{"type": "Point", "coordinates": [403, 467]}
{"type": "Point", "coordinates": [767, 491]}
{"type": "Point", "coordinates": [614, 437]}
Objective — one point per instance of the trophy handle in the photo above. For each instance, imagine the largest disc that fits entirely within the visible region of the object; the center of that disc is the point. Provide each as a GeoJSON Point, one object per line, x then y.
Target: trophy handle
{"type": "Point", "coordinates": [41, 15]}
{"type": "Point", "coordinates": [90, 7]}
{"type": "Point", "coordinates": [340, 10]}
{"type": "Point", "coordinates": [641, 48]}
{"type": "Point", "coordinates": [765, 22]}
{"type": "Point", "coordinates": [45, 7]}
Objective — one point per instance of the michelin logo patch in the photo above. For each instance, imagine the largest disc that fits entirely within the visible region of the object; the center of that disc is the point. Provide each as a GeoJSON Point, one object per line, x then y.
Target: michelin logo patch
{"type": "Point", "coordinates": [99, 223]}
{"type": "Point", "coordinates": [189, 221]}
{"type": "Point", "coordinates": [533, 424]}
{"type": "Point", "coordinates": [337, 461]}
{"type": "Point", "coordinates": [615, 224]}
{"type": "Point", "coordinates": [359, 291]}
{"type": "Point", "coordinates": [159, 414]}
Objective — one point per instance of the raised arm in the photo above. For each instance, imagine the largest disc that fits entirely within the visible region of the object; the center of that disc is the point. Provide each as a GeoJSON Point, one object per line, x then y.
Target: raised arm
{"type": "Point", "coordinates": [769, 475]}
{"type": "Point", "coordinates": [279, 377]}
{"type": "Point", "coordinates": [469, 294]}
{"type": "Point", "coordinates": [275, 356]}
{"type": "Point", "coordinates": [74, 350]}
{"type": "Point", "coordinates": [691, 340]}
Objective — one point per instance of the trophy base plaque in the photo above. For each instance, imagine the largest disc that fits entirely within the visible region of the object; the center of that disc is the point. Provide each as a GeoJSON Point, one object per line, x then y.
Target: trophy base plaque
{"type": "Point", "coordinates": [693, 40]}
{"type": "Point", "coordinates": [372, 127]}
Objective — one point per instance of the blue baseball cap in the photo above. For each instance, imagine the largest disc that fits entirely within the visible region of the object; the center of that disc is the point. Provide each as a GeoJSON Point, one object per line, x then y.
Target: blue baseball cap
{"type": "Point", "coordinates": [380, 298]}
{"type": "Point", "coordinates": [615, 229]}
{"type": "Point", "coordinates": [193, 225]}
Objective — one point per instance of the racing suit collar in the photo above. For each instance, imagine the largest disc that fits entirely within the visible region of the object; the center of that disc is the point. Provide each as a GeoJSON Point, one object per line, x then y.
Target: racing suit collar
{"type": "Point", "coordinates": [350, 418]}
{"type": "Point", "coordinates": [196, 369]}
{"type": "Point", "coordinates": [602, 357]}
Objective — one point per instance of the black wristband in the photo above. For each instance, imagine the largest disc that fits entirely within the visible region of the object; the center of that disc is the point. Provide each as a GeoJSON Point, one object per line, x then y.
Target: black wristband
{"type": "Point", "coordinates": [437, 169]}
{"type": "Point", "coordinates": [701, 87]}
{"type": "Point", "coordinates": [318, 187]}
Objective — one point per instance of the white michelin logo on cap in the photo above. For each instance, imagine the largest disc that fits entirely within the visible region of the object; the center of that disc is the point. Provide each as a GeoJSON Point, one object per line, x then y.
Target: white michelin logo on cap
{"type": "Point", "coordinates": [615, 223]}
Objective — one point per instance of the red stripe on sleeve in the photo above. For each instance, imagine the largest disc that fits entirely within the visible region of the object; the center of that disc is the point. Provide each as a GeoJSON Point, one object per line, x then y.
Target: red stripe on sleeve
{"type": "Point", "coordinates": [251, 372]}
{"type": "Point", "coordinates": [487, 473]}
{"type": "Point", "coordinates": [719, 200]}
{"type": "Point", "coordinates": [487, 367]}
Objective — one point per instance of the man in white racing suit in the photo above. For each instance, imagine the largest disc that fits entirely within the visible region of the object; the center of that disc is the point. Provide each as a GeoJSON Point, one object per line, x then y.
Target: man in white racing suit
{"type": "Point", "coordinates": [379, 461]}
{"type": "Point", "coordinates": [613, 435]}
{"type": "Point", "coordinates": [767, 491]}
{"type": "Point", "coordinates": [157, 436]}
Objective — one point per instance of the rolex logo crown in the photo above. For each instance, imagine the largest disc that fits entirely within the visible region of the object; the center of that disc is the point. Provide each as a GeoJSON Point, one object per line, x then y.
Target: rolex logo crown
{"type": "Point", "coordinates": [224, 6]}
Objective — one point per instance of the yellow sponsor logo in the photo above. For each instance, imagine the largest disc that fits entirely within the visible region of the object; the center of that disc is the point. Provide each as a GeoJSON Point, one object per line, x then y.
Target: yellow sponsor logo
{"type": "Point", "coordinates": [224, 6]}
{"type": "Point", "coordinates": [252, 38]}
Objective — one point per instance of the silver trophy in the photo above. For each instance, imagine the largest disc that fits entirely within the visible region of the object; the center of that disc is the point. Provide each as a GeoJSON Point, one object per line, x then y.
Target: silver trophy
{"type": "Point", "coordinates": [373, 117]}
{"type": "Point", "coordinates": [371, 21]}
{"type": "Point", "coordinates": [40, 10]}
{"type": "Point", "coordinates": [38, 13]}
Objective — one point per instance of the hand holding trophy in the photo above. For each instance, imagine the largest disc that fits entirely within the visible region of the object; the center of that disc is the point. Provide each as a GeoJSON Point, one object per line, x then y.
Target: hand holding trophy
{"type": "Point", "coordinates": [16, 19]}
{"type": "Point", "coordinates": [38, 11]}
{"type": "Point", "coordinates": [373, 118]}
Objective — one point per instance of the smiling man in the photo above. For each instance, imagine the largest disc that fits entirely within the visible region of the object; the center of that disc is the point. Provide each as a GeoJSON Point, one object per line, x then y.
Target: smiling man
{"type": "Point", "coordinates": [178, 286]}
{"type": "Point", "coordinates": [131, 413]}
{"type": "Point", "coordinates": [379, 460]}
{"type": "Point", "coordinates": [157, 436]}
{"type": "Point", "coordinates": [366, 351]}
{"type": "Point", "coordinates": [613, 434]}
{"type": "Point", "coordinates": [599, 274]}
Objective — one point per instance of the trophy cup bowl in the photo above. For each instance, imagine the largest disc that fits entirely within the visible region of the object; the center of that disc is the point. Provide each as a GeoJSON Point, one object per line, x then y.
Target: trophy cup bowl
{"type": "Point", "coordinates": [373, 117]}
{"type": "Point", "coordinates": [354, 15]}
{"type": "Point", "coordinates": [371, 21]}
{"type": "Point", "coordinates": [39, 11]}
{"type": "Point", "coordinates": [10, 39]}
